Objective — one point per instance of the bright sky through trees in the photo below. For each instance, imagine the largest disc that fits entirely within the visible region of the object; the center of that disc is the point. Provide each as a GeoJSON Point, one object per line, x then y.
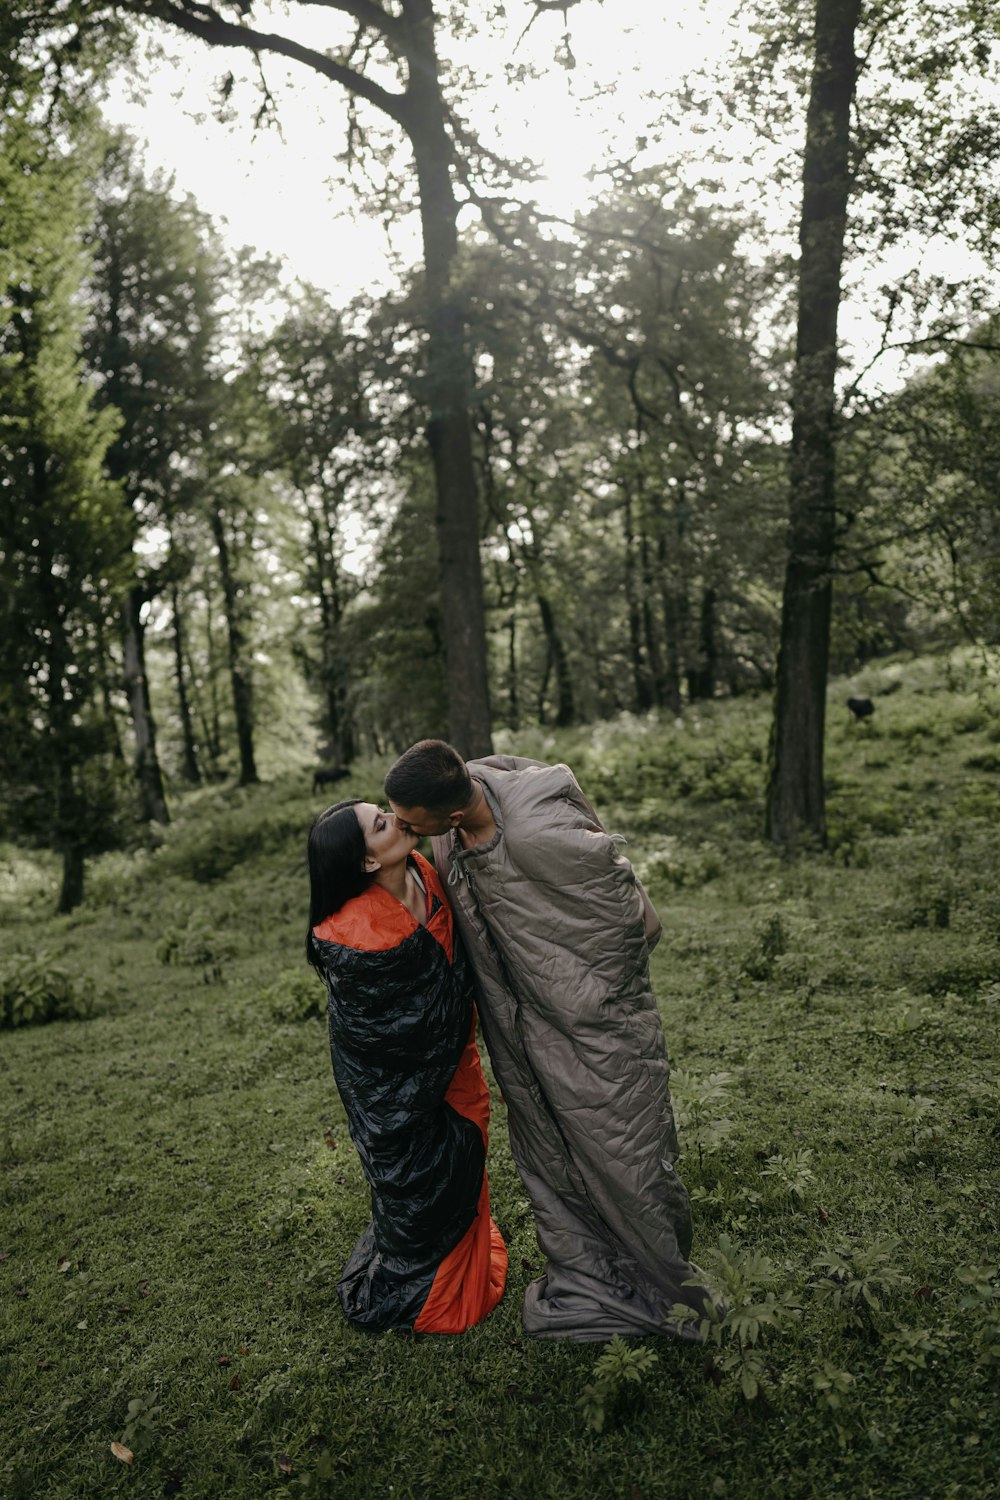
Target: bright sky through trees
{"type": "Point", "coordinates": [285, 192]}
{"type": "Point", "coordinates": [289, 195]}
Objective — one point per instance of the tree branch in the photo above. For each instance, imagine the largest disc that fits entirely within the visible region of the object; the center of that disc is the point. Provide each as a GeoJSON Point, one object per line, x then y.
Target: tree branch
{"type": "Point", "coordinates": [205, 23]}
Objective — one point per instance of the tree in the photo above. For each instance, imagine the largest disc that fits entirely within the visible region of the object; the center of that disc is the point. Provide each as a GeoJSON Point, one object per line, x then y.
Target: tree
{"type": "Point", "coordinates": [62, 535]}
{"type": "Point", "coordinates": [879, 174]}
{"type": "Point", "coordinates": [402, 45]}
{"type": "Point", "coordinates": [795, 801]}
{"type": "Point", "coordinates": [151, 332]}
{"type": "Point", "coordinates": [313, 377]}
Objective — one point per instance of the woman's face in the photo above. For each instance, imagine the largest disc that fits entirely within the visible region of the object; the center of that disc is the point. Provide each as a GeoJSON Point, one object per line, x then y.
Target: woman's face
{"type": "Point", "coordinates": [384, 841]}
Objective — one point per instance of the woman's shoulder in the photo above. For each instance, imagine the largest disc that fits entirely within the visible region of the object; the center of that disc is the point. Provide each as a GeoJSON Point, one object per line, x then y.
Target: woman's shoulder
{"type": "Point", "coordinates": [370, 923]}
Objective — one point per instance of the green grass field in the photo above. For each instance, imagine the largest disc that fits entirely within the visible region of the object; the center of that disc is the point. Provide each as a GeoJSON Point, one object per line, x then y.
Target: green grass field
{"type": "Point", "coordinates": [179, 1192]}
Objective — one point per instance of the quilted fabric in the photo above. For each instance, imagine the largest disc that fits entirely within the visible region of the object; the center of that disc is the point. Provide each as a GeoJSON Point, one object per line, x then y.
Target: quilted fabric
{"type": "Point", "coordinates": [554, 922]}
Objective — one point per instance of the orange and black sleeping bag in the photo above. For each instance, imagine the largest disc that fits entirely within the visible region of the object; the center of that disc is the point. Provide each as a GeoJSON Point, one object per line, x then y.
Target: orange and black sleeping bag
{"type": "Point", "coordinates": [402, 1040]}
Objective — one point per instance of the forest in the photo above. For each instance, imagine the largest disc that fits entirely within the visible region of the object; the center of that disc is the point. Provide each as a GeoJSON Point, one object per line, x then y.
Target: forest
{"type": "Point", "coordinates": [611, 487]}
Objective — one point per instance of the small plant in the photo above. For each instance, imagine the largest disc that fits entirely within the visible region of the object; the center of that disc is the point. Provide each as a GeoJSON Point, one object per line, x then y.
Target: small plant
{"type": "Point", "coordinates": [143, 1423]}
{"type": "Point", "coordinates": [35, 990]}
{"type": "Point", "coordinates": [791, 1174]}
{"type": "Point", "coordinates": [744, 1308]}
{"type": "Point", "coordinates": [857, 1279]}
{"type": "Point", "coordinates": [770, 941]}
{"type": "Point", "coordinates": [697, 1105]}
{"type": "Point", "coordinates": [831, 1384]}
{"type": "Point", "coordinates": [983, 1295]}
{"type": "Point", "coordinates": [618, 1366]}
{"type": "Point", "coordinates": [911, 1346]}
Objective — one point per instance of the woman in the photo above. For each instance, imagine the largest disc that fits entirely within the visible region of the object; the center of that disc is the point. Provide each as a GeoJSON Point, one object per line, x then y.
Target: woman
{"type": "Point", "coordinates": [403, 1041]}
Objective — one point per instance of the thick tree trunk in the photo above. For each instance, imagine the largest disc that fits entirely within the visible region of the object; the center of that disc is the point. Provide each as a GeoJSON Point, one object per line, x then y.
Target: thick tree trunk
{"type": "Point", "coordinates": [239, 676]}
{"type": "Point", "coordinates": [152, 802]}
{"type": "Point", "coordinates": [449, 384]}
{"type": "Point", "coordinates": [795, 805]}
{"type": "Point", "coordinates": [190, 762]}
{"type": "Point", "coordinates": [565, 706]}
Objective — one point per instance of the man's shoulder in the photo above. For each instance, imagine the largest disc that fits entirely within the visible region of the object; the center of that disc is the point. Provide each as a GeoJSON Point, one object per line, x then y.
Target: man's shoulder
{"type": "Point", "coordinates": [516, 781]}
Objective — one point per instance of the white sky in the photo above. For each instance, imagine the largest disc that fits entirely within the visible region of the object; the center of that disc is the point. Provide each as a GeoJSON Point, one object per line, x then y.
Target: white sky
{"type": "Point", "coordinates": [277, 194]}
{"type": "Point", "coordinates": [288, 196]}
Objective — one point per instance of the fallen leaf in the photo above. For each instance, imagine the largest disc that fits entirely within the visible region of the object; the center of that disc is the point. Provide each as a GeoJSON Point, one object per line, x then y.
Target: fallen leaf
{"type": "Point", "coordinates": [244, 1349]}
{"type": "Point", "coordinates": [925, 1293]}
{"type": "Point", "coordinates": [4, 1255]}
{"type": "Point", "coordinates": [824, 1217]}
{"type": "Point", "coordinates": [284, 1463]}
{"type": "Point", "coordinates": [125, 1455]}
{"type": "Point", "coordinates": [44, 1364]}
{"type": "Point", "coordinates": [234, 1384]}
{"type": "Point", "coordinates": [224, 1359]}
{"type": "Point", "coordinates": [64, 1264]}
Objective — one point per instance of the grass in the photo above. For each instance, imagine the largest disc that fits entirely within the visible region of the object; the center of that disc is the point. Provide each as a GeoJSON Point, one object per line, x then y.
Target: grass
{"type": "Point", "coordinates": [180, 1193]}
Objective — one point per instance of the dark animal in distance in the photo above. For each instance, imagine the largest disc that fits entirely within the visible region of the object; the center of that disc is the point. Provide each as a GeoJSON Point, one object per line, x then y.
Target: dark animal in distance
{"type": "Point", "coordinates": [861, 708]}
{"type": "Point", "coordinates": [324, 777]}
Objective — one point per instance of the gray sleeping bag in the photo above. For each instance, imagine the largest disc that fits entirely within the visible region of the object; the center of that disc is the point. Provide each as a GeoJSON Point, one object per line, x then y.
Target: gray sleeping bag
{"type": "Point", "coordinates": [558, 931]}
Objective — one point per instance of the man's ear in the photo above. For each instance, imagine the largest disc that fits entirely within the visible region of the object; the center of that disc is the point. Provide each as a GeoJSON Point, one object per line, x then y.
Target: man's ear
{"type": "Point", "coordinates": [454, 818]}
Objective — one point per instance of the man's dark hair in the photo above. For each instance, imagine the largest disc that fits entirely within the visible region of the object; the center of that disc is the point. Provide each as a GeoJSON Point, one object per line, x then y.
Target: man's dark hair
{"type": "Point", "coordinates": [430, 774]}
{"type": "Point", "coordinates": [336, 852]}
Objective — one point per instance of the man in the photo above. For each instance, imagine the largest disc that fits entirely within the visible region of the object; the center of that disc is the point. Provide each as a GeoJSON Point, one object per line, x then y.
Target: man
{"type": "Point", "coordinates": [559, 931]}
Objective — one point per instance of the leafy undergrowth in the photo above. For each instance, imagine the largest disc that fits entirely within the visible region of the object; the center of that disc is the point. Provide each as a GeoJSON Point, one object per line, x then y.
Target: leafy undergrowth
{"type": "Point", "coordinates": [180, 1192]}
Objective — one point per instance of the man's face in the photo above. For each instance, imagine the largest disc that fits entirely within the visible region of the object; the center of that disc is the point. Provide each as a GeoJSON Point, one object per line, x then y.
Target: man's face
{"type": "Point", "coordinates": [422, 822]}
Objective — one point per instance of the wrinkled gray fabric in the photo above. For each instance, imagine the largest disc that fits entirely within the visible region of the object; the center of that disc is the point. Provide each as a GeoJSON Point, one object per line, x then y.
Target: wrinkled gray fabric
{"type": "Point", "coordinates": [552, 918]}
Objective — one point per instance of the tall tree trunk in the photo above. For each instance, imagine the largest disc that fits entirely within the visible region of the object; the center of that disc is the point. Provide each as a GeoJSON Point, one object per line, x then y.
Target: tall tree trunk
{"type": "Point", "coordinates": [650, 631]}
{"type": "Point", "coordinates": [71, 889]}
{"type": "Point", "coordinates": [513, 703]}
{"type": "Point", "coordinates": [795, 804]}
{"type": "Point", "coordinates": [673, 616]}
{"type": "Point", "coordinates": [640, 675]}
{"type": "Point", "coordinates": [152, 802]}
{"type": "Point", "coordinates": [702, 676]}
{"type": "Point", "coordinates": [107, 703]}
{"type": "Point", "coordinates": [449, 383]}
{"type": "Point", "coordinates": [565, 706]}
{"type": "Point", "coordinates": [239, 676]}
{"type": "Point", "coordinates": [190, 763]}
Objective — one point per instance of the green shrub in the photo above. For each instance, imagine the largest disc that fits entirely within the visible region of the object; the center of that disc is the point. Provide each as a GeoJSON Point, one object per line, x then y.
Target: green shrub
{"type": "Point", "coordinates": [207, 850]}
{"type": "Point", "coordinates": [297, 995]}
{"type": "Point", "coordinates": [36, 990]}
{"type": "Point", "coordinates": [196, 946]}
{"type": "Point", "coordinates": [770, 941]}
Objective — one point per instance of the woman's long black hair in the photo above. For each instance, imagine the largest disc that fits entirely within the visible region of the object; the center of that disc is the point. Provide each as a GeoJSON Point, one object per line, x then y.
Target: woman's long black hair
{"type": "Point", "coordinates": [336, 858]}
